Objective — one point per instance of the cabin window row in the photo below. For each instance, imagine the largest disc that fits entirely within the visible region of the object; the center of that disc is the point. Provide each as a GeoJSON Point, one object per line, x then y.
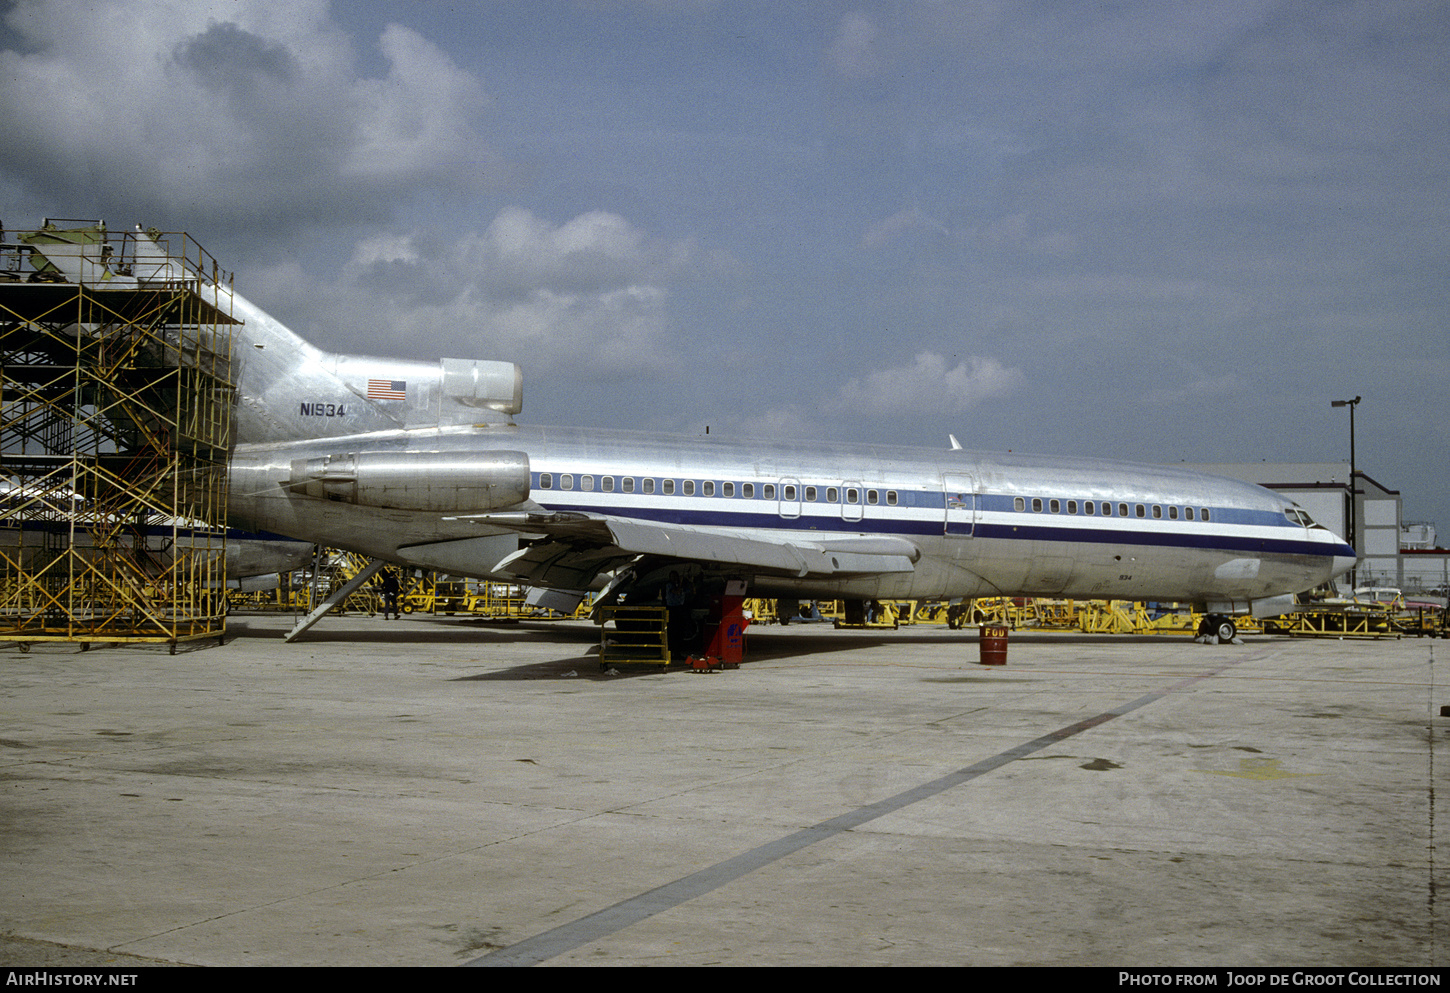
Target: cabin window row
{"type": "Point", "coordinates": [708, 487]}
{"type": "Point", "coordinates": [1093, 508]}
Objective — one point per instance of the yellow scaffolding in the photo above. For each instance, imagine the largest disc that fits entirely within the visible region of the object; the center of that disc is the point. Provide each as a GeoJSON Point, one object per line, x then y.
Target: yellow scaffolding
{"type": "Point", "coordinates": [1336, 621]}
{"type": "Point", "coordinates": [640, 635]}
{"type": "Point", "coordinates": [115, 428]}
{"type": "Point", "coordinates": [286, 597]}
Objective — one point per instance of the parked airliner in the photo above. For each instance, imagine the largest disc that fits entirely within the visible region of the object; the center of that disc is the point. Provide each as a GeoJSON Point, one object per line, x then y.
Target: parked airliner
{"type": "Point", "coordinates": [422, 464]}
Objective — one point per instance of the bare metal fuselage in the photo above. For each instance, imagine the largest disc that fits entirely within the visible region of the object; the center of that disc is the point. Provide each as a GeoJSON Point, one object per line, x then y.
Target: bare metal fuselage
{"type": "Point", "coordinates": [958, 509]}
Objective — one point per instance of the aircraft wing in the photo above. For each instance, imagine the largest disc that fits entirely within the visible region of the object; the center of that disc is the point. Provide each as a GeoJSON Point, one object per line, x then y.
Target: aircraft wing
{"type": "Point", "coordinates": [576, 547]}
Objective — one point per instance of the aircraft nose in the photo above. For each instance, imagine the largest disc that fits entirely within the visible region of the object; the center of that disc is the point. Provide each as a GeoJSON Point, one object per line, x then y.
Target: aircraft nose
{"type": "Point", "coordinates": [1342, 564]}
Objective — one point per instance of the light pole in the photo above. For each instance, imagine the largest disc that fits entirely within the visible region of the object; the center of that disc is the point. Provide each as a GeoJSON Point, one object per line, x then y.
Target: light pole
{"type": "Point", "coordinates": [1353, 477]}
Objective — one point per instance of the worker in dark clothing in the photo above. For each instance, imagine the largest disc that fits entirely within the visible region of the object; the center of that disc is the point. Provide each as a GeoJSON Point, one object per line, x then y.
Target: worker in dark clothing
{"type": "Point", "coordinates": [677, 612]}
{"type": "Point", "coordinates": [389, 588]}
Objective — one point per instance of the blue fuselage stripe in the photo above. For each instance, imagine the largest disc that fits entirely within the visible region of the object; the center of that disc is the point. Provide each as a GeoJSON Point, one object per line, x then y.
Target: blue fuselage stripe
{"type": "Point", "coordinates": [1209, 538]}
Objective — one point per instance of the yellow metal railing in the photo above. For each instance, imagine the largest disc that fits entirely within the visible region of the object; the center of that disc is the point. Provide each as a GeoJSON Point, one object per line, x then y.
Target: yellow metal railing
{"type": "Point", "coordinates": [638, 635]}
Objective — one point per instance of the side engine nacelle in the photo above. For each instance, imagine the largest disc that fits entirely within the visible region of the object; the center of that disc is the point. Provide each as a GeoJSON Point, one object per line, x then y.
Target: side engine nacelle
{"type": "Point", "coordinates": [433, 482]}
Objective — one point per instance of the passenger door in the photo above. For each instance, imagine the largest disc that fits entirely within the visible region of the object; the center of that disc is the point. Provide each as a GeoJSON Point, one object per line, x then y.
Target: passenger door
{"type": "Point", "coordinates": [790, 498]}
{"type": "Point", "coordinates": [960, 492]}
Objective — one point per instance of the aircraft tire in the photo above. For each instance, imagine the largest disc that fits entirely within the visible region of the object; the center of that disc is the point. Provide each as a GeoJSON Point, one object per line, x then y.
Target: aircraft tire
{"type": "Point", "coordinates": [1217, 626]}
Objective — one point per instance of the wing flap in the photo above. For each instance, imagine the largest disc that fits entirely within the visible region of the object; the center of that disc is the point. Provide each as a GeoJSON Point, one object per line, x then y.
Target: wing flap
{"type": "Point", "coordinates": [759, 549]}
{"type": "Point", "coordinates": [579, 544]}
{"type": "Point", "coordinates": [561, 564]}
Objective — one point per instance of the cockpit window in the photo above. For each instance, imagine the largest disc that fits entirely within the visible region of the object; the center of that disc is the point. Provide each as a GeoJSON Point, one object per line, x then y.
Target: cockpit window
{"type": "Point", "coordinates": [1297, 515]}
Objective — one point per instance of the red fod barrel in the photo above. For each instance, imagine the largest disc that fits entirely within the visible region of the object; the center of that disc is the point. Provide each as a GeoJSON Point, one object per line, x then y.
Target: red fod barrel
{"type": "Point", "coordinates": [993, 641]}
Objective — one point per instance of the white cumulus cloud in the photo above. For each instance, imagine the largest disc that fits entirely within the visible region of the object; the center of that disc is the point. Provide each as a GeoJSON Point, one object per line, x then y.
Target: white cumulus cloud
{"type": "Point", "coordinates": [929, 385]}
{"type": "Point", "coordinates": [587, 296]}
{"type": "Point", "coordinates": [243, 111]}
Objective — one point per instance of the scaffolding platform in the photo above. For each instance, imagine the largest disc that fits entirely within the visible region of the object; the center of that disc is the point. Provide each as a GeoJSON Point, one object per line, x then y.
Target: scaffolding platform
{"type": "Point", "coordinates": [639, 636]}
{"type": "Point", "coordinates": [115, 430]}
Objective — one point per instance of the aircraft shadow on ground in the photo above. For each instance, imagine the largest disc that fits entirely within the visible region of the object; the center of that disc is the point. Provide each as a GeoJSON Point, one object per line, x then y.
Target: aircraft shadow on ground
{"type": "Point", "coordinates": [417, 631]}
{"type": "Point", "coordinates": [763, 644]}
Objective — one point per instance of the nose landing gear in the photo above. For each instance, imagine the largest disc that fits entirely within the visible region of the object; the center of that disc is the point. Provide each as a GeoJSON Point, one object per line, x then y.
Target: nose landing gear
{"type": "Point", "coordinates": [1218, 626]}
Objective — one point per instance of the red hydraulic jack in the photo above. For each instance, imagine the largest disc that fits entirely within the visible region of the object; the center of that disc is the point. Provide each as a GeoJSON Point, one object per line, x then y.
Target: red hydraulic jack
{"type": "Point", "coordinates": [724, 631]}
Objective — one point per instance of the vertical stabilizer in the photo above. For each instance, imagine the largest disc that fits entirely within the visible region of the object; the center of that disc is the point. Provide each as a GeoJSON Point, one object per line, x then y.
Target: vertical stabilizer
{"type": "Point", "coordinates": [288, 389]}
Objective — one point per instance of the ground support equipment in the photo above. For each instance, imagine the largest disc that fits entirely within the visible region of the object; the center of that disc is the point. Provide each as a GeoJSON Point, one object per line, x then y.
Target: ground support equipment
{"type": "Point", "coordinates": [115, 385]}
{"type": "Point", "coordinates": [724, 631]}
{"type": "Point", "coordinates": [639, 635]}
{"type": "Point", "coordinates": [1334, 621]}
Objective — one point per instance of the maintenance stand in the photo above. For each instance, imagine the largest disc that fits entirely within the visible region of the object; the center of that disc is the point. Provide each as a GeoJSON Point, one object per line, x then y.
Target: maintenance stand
{"type": "Point", "coordinates": [116, 391]}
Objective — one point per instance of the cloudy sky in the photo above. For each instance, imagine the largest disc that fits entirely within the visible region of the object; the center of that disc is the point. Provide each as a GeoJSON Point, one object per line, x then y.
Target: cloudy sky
{"type": "Point", "coordinates": [1140, 229]}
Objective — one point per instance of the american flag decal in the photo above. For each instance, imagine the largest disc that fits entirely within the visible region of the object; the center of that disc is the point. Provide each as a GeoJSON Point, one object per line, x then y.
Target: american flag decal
{"type": "Point", "coordinates": [387, 389]}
